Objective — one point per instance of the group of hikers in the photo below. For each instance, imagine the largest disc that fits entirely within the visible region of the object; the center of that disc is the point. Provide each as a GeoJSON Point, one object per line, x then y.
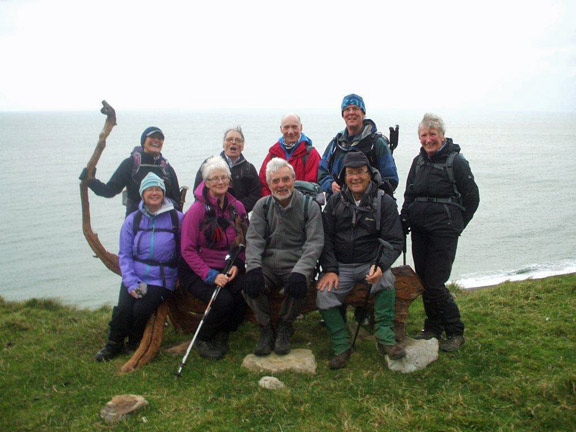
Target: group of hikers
{"type": "Point", "coordinates": [354, 238]}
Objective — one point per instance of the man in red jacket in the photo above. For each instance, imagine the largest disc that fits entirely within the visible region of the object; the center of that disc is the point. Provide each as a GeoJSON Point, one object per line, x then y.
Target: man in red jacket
{"type": "Point", "coordinates": [296, 148]}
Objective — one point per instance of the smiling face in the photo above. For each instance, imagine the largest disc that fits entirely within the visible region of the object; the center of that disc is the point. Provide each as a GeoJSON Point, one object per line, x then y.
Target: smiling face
{"type": "Point", "coordinates": [218, 183]}
{"type": "Point", "coordinates": [357, 180]}
{"type": "Point", "coordinates": [354, 118]}
{"type": "Point", "coordinates": [431, 139]}
{"type": "Point", "coordinates": [153, 198]}
{"type": "Point", "coordinates": [282, 185]}
{"type": "Point", "coordinates": [233, 145]}
{"type": "Point", "coordinates": [153, 144]}
{"type": "Point", "coordinates": [291, 129]}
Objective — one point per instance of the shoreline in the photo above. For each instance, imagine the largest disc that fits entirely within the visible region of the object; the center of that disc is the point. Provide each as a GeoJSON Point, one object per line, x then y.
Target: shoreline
{"type": "Point", "coordinates": [521, 280]}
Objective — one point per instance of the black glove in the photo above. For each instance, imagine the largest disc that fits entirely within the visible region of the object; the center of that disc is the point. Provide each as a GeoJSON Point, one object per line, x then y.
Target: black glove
{"type": "Point", "coordinates": [84, 174]}
{"type": "Point", "coordinates": [254, 284]}
{"type": "Point", "coordinates": [405, 226]}
{"type": "Point", "coordinates": [297, 286]}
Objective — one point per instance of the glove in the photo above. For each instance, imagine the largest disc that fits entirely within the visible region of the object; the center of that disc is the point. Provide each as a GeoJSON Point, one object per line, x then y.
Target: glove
{"type": "Point", "coordinates": [297, 286]}
{"type": "Point", "coordinates": [141, 290]}
{"type": "Point", "coordinates": [84, 174]}
{"type": "Point", "coordinates": [254, 284]}
{"type": "Point", "coordinates": [405, 226]}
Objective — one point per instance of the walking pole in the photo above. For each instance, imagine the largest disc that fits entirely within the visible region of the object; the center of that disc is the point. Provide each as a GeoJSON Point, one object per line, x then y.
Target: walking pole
{"type": "Point", "coordinates": [229, 263]}
{"type": "Point", "coordinates": [381, 247]}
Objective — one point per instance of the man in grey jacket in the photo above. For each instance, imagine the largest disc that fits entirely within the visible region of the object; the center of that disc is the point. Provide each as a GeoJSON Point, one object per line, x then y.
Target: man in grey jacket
{"type": "Point", "coordinates": [283, 244]}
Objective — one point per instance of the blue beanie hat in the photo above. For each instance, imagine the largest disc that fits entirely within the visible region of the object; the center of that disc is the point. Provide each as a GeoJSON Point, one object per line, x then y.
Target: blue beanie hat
{"type": "Point", "coordinates": [150, 131]}
{"type": "Point", "coordinates": [151, 180]}
{"type": "Point", "coordinates": [353, 99]}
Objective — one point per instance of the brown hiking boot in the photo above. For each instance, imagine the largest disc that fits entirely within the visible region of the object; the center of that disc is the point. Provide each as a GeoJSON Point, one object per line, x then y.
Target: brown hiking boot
{"type": "Point", "coordinates": [452, 343]}
{"type": "Point", "coordinates": [394, 352]}
{"type": "Point", "coordinates": [341, 360]}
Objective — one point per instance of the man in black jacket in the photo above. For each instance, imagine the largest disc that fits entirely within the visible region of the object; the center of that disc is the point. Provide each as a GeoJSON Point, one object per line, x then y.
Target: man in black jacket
{"type": "Point", "coordinates": [357, 220]}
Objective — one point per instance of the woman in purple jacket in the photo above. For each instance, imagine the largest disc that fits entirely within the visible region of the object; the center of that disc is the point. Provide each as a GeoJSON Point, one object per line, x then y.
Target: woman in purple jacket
{"type": "Point", "coordinates": [208, 233]}
{"type": "Point", "coordinates": [149, 255]}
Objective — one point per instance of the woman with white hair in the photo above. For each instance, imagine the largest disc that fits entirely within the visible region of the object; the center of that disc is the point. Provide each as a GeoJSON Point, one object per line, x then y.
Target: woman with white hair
{"type": "Point", "coordinates": [209, 231]}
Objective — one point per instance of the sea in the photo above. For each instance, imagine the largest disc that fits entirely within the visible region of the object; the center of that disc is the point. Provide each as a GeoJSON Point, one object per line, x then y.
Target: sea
{"type": "Point", "coordinates": [524, 164]}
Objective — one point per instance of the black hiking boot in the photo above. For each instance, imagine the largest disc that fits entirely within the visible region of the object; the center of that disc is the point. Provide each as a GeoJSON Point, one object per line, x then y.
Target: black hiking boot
{"type": "Point", "coordinates": [283, 333]}
{"type": "Point", "coordinates": [265, 343]}
{"type": "Point", "coordinates": [452, 343]}
{"type": "Point", "coordinates": [341, 360]}
{"type": "Point", "coordinates": [109, 351]}
{"type": "Point", "coordinates": [208, 349]}
{"type": "Point", "coordinates": [221, 341]}
{"type": "Point", "coordinates": [394, 352]}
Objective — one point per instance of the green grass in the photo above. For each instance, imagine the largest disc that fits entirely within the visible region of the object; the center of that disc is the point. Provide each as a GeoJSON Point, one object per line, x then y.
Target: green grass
{"type": "Point", "coordinates": [516, 372]}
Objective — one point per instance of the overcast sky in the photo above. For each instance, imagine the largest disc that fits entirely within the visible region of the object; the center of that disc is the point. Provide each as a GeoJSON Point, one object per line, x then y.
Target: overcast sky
{"type": "Point", "coordinates": [424, 55]}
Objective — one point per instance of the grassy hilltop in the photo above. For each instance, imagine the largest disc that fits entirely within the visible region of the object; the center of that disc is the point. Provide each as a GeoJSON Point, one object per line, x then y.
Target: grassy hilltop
{"type": "Point", "coordinates": [516, 372]}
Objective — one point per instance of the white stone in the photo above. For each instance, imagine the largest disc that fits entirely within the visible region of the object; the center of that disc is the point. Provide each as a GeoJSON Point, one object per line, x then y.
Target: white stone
{"type": "Point", "coordinates": [298, 360]}
{"type": "Point", "coordinates": [419, 354]}
{"type": "Point", "coordinates": [271, 383]}
{"type": "Point", "coordinates": [120, 406]}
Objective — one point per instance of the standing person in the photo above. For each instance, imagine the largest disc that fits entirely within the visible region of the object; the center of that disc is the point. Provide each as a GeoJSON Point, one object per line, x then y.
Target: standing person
{"type": "Point", "coordinates": [362, 135]}
{"type": "Point", "coordinates": [283, 243]}
{"type": "Point", "coordinates": [209, 232]}
{"type": "Point", "coordinates": [296, 148]}
{"type": "Point", "coordinates": [245, 184]}
{"type": "Point", "coordinates": [357, 219]}
{"type": "Point", "coordinates": [149, 254]}
{"type": "Point", "coordinates": [144, 159]}
{"type": "Point", "coordinates": [440, 200]}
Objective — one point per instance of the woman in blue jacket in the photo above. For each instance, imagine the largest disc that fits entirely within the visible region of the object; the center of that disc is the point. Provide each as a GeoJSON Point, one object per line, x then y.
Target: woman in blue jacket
{"type": "Point", "coordinates": [149, 255]}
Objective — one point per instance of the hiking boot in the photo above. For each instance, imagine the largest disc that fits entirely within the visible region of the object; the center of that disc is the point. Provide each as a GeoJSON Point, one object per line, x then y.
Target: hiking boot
{"type": "Point", "coordinates": [452, 343]}
{"type": "Point", "coordinates": [109, 351]}
{"type": "Point", "coordinates": [427, 335]}
{"type": "Point", "coordinates": [221, 341]}
{"type": "Point", "coordinates": [208, 349]}
{"type": "Point", "coordinates": [265, 343]}
{"type": "Point", "coordinates": [394, 352]}
{"type": "Point", "coordinates": [341, 360]}
{"type": "Point", "coordinates": [282, 343]}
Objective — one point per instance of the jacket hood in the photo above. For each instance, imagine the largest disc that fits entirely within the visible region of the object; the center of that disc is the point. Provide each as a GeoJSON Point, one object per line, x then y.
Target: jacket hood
{"type": "Point", "coordinates": [368, 129]}
{"type": "Point", "coordinates": [447, 148]}
{"type": "Point", "coordinates": [167, 205]}
{"type": "Point", "coordinates": [279, 150]}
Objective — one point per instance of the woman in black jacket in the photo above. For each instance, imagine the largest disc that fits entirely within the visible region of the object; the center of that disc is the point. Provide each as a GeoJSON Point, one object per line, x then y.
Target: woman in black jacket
{"type": "Point", "coordinates": [441, 198]}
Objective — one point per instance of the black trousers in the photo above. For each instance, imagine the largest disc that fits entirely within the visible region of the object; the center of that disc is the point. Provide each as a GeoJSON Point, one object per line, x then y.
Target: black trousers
{"type": "Point", "coordinates": [433, 258]}
{"type": "Point", "coordinates": [228, 309]}
{"type": "Point", "coordinates": [130, 316]}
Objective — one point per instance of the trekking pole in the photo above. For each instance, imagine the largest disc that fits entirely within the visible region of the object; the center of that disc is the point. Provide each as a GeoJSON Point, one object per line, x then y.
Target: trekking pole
{"type": "Point", "coordinates": [229, 263]}
{"type": "Point", "coordinates": [394, 135]}
{"type": "Point", "coordinates": [381, 247]}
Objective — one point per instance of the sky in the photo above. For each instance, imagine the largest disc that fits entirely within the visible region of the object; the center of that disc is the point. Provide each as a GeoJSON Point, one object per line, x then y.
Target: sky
{"type": "Point", "coordinates": [221, 54]}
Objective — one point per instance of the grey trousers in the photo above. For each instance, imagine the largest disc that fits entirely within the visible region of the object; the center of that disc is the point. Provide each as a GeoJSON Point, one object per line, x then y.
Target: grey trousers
{"type": "Point", "coordinates": [348, 276]}
{"type": "Point", "coordinates": [275, 281]}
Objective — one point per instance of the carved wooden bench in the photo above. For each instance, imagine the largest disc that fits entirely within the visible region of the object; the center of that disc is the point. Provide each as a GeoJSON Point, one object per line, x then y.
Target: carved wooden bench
{"type": "Point", "coordinates": [185, 313]}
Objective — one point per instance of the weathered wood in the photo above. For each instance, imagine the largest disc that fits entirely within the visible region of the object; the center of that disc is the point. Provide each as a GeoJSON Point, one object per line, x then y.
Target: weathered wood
{"type": "Point", "coordinates": [185, 311]}
{"type": "Point", "coordinates": [110, 260]}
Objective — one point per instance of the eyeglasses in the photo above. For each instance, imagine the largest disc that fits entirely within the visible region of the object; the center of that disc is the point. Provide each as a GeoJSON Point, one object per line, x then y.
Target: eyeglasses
{"type": "Point", "coordinates": [223, 179]}
{"type": "Point", "coordinates": [234, 140]}
{"type": "Point", "coordinates": [356, 173]}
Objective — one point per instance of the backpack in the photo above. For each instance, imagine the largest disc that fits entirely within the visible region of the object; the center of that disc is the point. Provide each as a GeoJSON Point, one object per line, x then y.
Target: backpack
{"type": "Point", "coordinates": [376, 207]}
{"type": "Point", "coordinates": [214, 223]}
{"type": "Point", "coordinates": [456, 199]}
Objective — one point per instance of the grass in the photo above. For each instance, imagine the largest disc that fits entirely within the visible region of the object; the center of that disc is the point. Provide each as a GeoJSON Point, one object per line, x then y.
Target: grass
{"type": "Point", "coordinates": [516, 372]}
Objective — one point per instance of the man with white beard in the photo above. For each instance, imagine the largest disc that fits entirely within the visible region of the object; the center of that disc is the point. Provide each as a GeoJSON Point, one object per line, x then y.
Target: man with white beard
{"type": "Point", "coordinates": [283, 244]}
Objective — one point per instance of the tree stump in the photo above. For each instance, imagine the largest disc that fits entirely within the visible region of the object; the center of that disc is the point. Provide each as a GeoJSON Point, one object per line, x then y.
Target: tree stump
{"type": "Point", "coordinates": [185, 312]}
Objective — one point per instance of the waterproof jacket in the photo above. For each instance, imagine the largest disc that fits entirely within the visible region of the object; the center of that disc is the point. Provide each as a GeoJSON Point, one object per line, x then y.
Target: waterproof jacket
{"type": "Point", "coordinates": [427, 181]}
{"type": "Point", "coordinates": [350, 231]}
{"type": "Point", "coordinates": [245, 185]}
{"type": "Point", "coordinates": [152, 242]}
{"type": "Point", "coordinates": [124, 177]}
{"type": "Point", "coordinates": [280, 237]}
{"type": "Point", "coordinates": [303, 157]}
{"type": "Point", "coordinates": [198, 254]}
{"type": "Point", "coordinates": [368, 141]}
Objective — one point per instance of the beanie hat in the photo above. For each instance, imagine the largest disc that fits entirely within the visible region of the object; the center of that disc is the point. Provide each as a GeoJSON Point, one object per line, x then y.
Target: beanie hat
{"type": "Point", "coordinates": [353, 99]}
{"type": "Point", "coordinates": [150, 131]}
{"type": "Point", "coordinates": [151, 180]}
{"type": "Point", "coordinates": [354, 159]}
